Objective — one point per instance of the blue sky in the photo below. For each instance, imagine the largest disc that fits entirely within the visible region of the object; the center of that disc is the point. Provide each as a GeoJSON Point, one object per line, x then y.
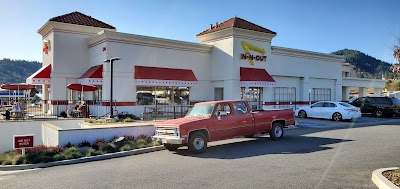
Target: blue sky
{"type": "Point", "coordinates": [316, 25]}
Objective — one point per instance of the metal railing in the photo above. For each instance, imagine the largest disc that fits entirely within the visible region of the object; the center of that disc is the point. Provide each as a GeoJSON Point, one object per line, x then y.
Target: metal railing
{"type": "Point", "coordinates": [160, 112]}
{"type": "Point", "coordinates": [55, 109]}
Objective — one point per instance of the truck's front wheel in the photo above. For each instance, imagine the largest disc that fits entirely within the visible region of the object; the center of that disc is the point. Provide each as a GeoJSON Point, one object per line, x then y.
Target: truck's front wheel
{"type": "Point", "coordinates": [171, 147]}
{"type": "Point", "coordinates": [197, 142]}
{"type": "Point", "coordinates": [276, 132]}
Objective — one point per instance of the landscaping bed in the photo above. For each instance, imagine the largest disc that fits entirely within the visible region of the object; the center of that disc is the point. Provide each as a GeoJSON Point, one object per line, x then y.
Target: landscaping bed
{"type": "Point", "coordinates": [393, 176]}
{"type": "Point", "coordinates": [44, 154]}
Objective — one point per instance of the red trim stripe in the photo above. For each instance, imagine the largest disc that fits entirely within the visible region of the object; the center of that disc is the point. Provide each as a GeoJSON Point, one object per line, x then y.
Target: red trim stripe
{"type": "Point", "coordinates": [119, 103]}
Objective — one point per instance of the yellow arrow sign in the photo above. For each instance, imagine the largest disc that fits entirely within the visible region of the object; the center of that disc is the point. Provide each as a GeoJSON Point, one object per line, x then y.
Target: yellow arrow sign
{"type": "Point", "coordinates": [247, 47]}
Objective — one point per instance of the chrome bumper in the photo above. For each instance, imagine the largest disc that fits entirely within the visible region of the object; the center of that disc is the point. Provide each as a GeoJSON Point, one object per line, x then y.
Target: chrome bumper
{"type": "Point", "coordinates": [169, 139]}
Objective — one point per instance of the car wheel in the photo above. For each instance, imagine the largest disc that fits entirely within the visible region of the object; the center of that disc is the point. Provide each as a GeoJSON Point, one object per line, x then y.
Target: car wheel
{"type": "Point", "coordinates": [337, 116]}
{"type": "Point", "coordinates": [378, 113]}
{"type": "Point", "coordinates": [197, 142]}
{"type": "Point", "coordinates": [171, 147]}
{"type": "Point", "coordinates": [276, 132]}
{"type": "Point", "coordinates": [302, 114]}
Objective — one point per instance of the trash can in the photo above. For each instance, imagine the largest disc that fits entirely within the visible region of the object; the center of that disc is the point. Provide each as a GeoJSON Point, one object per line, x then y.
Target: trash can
{"type": "Point", "coordinates": [85, 111]}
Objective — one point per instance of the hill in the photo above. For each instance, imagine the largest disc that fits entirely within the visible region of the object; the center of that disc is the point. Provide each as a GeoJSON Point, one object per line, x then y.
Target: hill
{"type": "Point", "coordinates": [16, 71]}
{"type": "Point", "coordinates": [366, 66]}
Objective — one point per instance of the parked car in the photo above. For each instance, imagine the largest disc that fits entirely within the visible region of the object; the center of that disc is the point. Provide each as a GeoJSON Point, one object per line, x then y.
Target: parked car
{"type": "Point", "coordinates": [378, 106]}
{"type": "Point", "coordinates": [336, 111]}
{"type": "Point", "coordinates": [217, 120]}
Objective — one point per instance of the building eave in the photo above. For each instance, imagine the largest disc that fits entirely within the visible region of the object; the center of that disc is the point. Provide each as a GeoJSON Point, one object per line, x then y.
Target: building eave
{"type": "Point", "coordinates": [235, 32]}
{"type": "Point", "coordinates": [50, 26]}
{"type": "Point", "coordinates": [307, 54]}
{"type": "Point", "coordinates": [118, 37]}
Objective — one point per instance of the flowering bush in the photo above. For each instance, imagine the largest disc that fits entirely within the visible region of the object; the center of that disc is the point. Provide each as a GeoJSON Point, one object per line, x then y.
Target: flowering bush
{"type": "Point", "coordinates": [44, 154]}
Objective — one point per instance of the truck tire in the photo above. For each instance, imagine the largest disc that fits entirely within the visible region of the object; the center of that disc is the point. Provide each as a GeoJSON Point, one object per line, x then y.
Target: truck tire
{"type": "Point", "coordinates": [197, 142]}
{"type": "Point", "coordinates": [171, 147]}
{"type": "Point", "coordinates": [302, 114]}
{"type": "Point", "coordinates": [276, 132]}
{"type": "Point", "coordinates": [378, 113]}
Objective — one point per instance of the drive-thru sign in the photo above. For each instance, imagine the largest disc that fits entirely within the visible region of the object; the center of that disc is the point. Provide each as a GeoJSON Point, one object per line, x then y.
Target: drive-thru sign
{"type": "Point", "coordinates": [23, 141]}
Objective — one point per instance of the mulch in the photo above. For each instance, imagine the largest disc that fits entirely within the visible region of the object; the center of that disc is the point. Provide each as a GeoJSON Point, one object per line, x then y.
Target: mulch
{"type": "Point", "coordinates": [393, 176]}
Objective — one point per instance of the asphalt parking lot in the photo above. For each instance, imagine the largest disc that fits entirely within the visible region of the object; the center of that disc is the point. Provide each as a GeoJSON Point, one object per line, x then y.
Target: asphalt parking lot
{"type": "Point", "coordinates": [325, 123]}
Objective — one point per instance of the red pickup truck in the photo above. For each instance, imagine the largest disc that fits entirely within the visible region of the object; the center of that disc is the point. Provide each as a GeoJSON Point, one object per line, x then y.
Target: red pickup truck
{"type": "Point", "coordinates": [217, 120]}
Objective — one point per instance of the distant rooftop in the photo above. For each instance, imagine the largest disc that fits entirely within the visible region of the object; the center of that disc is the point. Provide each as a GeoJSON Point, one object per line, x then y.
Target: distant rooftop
{"type": "Point", "coordinates": [81, 19]}
{"type": "Point", "coordinates": [236, 23]}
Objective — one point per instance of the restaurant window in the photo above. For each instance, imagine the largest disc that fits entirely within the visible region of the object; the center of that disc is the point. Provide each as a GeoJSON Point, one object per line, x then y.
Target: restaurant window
{"type": "Point", "coordinates": [322, 94]}
{"type": "Point", "coordinates": [150, 95]}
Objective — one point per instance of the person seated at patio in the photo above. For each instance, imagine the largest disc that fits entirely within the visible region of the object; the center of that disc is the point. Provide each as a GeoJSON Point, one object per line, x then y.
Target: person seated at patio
{"type": "Point", "coordinates": [7, 114]}
{"type": "Point", "coordinates": [18, 107]}
{"type": "Point", "coordinates": [77, 112]}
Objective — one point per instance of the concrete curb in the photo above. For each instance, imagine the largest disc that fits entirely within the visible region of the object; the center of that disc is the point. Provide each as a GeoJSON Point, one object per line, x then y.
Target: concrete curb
{"type": "Point", "coordinates": [381, 181]}
{"type": "Point", "coordinates": [81, 160]}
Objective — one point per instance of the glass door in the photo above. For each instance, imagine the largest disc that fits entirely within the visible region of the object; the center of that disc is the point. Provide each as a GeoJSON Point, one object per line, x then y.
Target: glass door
{"type": "Point", "coordinates": [253, 95]}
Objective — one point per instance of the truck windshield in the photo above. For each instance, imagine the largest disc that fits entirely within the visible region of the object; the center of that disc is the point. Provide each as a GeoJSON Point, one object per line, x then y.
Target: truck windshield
{"type": "Point", "coordinates": [201, 110]}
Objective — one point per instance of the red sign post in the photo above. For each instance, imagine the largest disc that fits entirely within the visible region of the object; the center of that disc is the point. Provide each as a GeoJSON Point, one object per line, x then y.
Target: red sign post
{"type": "Point", "coordinates": [22, 142]}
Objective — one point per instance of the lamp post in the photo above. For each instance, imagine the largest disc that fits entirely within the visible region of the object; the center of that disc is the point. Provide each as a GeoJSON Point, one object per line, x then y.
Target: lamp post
{"type": "Point", "coordinates": [111, 60]}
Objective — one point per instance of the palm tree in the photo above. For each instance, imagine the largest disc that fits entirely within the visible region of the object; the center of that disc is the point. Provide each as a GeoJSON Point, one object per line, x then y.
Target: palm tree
{"type": "Point", "coordinates": [396, 53]}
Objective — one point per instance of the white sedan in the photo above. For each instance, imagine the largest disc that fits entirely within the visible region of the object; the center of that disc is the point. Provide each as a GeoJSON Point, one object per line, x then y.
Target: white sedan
{"type": "Point", "coordinates": [336, 111]}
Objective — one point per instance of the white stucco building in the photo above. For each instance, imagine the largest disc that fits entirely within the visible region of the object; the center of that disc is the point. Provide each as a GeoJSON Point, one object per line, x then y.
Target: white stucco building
{"type": "Point", "coordinates": [234, 59]}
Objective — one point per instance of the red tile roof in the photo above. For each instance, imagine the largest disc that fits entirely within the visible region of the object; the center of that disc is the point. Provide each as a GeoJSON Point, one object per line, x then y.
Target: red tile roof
{"type": "Point", "coordinates": [236, 23]}
{"type": "Point", "coordinates": [81, 19]}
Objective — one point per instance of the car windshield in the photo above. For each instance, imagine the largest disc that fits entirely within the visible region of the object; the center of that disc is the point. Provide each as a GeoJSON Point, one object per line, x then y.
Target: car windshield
{"type": "Point", "coordinates": [201, 110]}
{"type": "Point", "coordinates": [345, 105]}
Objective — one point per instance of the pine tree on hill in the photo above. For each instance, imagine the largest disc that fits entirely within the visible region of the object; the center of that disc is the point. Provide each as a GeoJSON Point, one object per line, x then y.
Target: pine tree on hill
{"type": "Point", "coordinates": [366, 66]}
{"type": "Point", "coordinates": [16, 71]}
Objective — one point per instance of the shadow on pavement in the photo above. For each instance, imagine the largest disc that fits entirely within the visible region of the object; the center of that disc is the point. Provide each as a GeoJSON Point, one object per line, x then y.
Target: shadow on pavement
{"type": "Point", "coordinates": [264, 145]}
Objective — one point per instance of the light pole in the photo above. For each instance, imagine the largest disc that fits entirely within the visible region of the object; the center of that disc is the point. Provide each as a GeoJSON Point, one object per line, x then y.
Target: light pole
{"type": "Point", "coordinates": [111, 60]}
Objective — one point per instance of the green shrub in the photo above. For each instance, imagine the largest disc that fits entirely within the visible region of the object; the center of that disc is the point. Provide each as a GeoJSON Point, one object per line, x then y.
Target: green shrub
{"type": "Point", "coordinates": [72, 153]}
{"type": "Point", "coordinates": [153, 143]}
{"type": "Point", "coordinates": [93, 152]}
{"type": "Point", "coordinates": [126, 147]}
{"type": "Point", "coordinates": [142, 136]}
{"type": "Point", "coordinates": [46, 159]}
{"type": "Point", "coordinates": [7, 156]}
{"type": "Point", "coordinates": [127, 137]}
{"type": "Point", "coordinates": [141, 143]}
{"type": "Point", "coordinates": [84, 143]}
{"type": "Point", "coordinates": [7, 162]}
{"type": "Point", "coordinates": [128, 119]}
{"type": "Point", "coordinates": [97, 143]}
{"type": "Point", "coordinates": [108, 148]}
{"type": "Point", "coordinates": [59, 157]}
{"type": "Point", "coordinates": [69, 145]}
{"type": "Point", "coordinates": [18, 160]}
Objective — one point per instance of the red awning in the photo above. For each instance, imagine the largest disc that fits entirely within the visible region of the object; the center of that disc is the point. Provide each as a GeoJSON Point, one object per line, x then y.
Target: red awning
{"type": "Point", "coordinates": [155, 76]}
{"type": "Point", "coordinates": [42, 76]}
{"type": "Point", "coordinates": [17, 86]}
{"type": "Point", "coordinates": [79, 87]}
{"type": "Point", "coordinates": [94, 76]}
{"type": "Point", "coordinates": [254, 77]}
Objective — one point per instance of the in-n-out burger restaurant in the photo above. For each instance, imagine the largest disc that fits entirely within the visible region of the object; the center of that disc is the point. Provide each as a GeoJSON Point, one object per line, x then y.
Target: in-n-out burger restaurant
{"type": "Point", "coordinates": [234, 60]}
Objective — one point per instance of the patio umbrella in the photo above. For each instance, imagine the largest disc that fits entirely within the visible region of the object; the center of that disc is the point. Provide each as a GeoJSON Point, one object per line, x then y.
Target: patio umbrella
{"type": "Point", "coordinates": [80, 87]}
{"type": "Point", "coordinates": [17, 86]}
